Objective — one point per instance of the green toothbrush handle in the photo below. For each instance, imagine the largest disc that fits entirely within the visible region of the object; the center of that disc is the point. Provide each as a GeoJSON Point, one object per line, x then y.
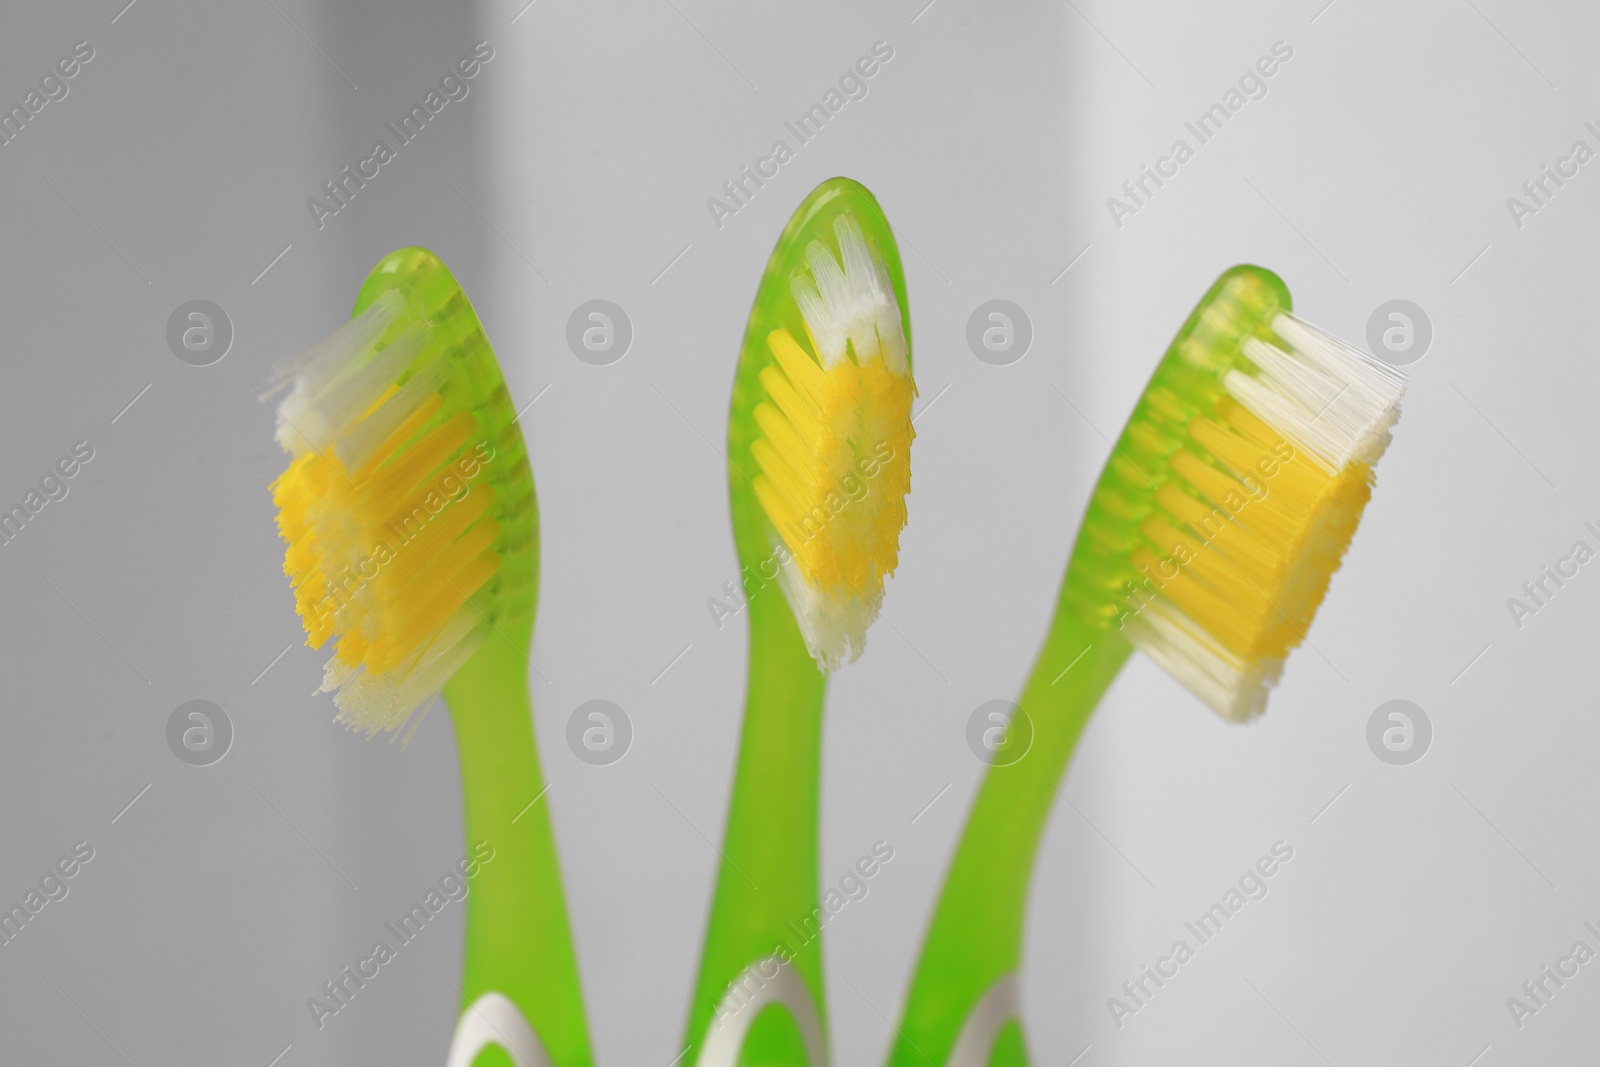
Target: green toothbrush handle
{"type": "Point", "coordinates": [974, 945]}
{"type": "Point", "coordinates": [518, 944]}
{"type": "Point", "coordinates": [760, 983]}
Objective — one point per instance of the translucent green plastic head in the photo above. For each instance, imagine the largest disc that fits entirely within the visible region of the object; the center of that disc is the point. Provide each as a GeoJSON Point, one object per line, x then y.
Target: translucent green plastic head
{"type": "Point", "coordinates": [409, 506]}
{"type": "Point", "coordinates": [819, 433]}
{"type": "Point", "coordinates": [1233, 491]}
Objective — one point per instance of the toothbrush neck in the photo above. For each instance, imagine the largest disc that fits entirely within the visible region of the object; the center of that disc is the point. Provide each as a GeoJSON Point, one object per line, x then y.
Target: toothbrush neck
{"type": "Point", "coordinates": [976, 935]}
{"type": "Point", "coordinates": [766, 900]}
{"type": "Point", "coordinates": [780, 756]}
{"type": "Point", "coordinates": [518, 943]}
{"type": "Point", "coordinates": [1076, 665]}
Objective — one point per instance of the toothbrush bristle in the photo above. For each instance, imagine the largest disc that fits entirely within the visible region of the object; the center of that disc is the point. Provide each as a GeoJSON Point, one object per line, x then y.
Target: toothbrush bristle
{"type": "Point", "coordinates": [1230, 511]}
{"type": "Point", "coordinates": [388, 513]}
{"type": "Point", "coordinates": [834, 451]}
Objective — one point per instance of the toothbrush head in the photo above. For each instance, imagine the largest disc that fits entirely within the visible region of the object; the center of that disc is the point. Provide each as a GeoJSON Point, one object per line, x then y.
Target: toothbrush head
{"type": "Point", "coordinates": [819, 434]}
{"type": "Point", "coordinates": [408, 504]}
{"type": "Point", "coordinates": [1233, 492]}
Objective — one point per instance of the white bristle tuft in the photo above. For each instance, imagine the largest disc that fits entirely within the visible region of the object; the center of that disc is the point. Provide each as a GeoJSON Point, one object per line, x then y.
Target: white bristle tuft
{"type": "Point", "coordinates": [835, 628]}
{"type": "Point", "coordinates": [1329, 396]}
{"type": "Point", "coordinates": [325, 418]}
{"type": "Point", "coordinates": [370, 702]}
{"type": "Point", "coordinates": [367, 436]}
{"type": "Point", "coordinates": [330, 370]}
{"type": "Point", "coordinates": [1234, 688]}
{"type": "Point", "coordinates": [853, 306]}
{"type": "Point", "coordinates": [327, 357]}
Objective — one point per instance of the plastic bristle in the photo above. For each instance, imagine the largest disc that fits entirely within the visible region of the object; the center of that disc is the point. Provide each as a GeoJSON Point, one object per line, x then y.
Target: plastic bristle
{"type": "Point", "coordinates": [1234, 492]}
{"type": "Point", "coordinates": [407, 505]}
{"type": "Point", "coordinates": [311, 367]}
{"type": "Point", "coordinates": [833, 444]}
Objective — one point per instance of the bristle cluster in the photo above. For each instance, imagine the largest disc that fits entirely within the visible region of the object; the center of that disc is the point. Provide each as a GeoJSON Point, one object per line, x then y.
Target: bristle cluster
{"type": "Point", "coordinates": [834, 451]}
{"type": "Point", "coordinates": [388, 511]}
{"type": "Point", "coordinates": [1224, 514]}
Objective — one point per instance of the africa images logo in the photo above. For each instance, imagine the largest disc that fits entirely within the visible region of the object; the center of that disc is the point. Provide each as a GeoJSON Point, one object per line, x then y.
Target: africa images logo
{"type": "Point", "coordinates": [852, 85]}
{"type": "Point", "coordinates": [453, 86]}
{"type": "Point", "coordinates": [453, 886]}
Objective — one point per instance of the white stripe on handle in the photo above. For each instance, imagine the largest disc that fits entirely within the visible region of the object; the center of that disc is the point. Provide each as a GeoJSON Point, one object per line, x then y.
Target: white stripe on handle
{"type": "Point", "coordinates": [493, 1020]}
{"type": "Point", "coordinates": [1001, 1004]}
{"type": "Point", "coordinates": [750, 994]}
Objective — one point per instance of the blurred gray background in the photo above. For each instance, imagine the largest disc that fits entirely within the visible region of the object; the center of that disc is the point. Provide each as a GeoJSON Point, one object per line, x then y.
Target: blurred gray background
{"type": "Point", "coordinates": [1376, 167]}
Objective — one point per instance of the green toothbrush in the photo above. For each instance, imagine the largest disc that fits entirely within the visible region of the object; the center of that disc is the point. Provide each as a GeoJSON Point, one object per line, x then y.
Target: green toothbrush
{"type": "Point", "coordinates": [819, 440]}
{"type": "Point", "coordinates": [413, 535]}
{"type": "Point", "coordinates": [1209, 541]}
